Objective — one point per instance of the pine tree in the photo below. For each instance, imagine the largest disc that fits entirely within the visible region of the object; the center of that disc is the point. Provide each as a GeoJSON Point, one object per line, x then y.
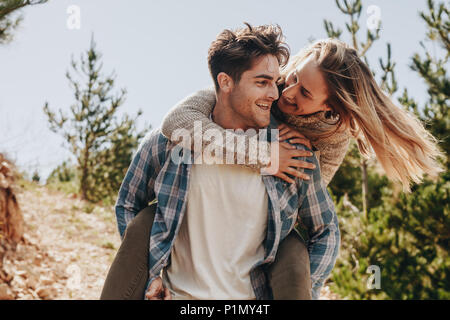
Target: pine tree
{"type": "Point", "coordinates": [433, 70]}
{"type": "Point", "coordinates": [348, 179]}
{"type": "Point", "coordinates": [9, 21]}
{"type": "Point", "coordinates": [102, 144]}
{"type": "Point", "coordinates": [11, 218]}
{"type": "Point", "coordinates": [36, 178]}
{"type": "Point", "coordinates": [407, 235]}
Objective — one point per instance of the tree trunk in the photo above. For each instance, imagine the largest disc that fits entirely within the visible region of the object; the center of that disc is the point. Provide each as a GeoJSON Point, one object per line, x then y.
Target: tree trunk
{"type": "Point", "coordinates": [84, 174]}
{"type": "Point", "coordinates": [365, 187]}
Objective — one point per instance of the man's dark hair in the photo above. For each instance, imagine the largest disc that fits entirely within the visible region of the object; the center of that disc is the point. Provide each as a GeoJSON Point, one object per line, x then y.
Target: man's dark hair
{"type": "Point", "coordinates": [234, 52]}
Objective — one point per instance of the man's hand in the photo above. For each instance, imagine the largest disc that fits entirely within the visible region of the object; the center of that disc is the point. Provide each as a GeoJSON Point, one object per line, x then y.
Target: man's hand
{"type": "Point", "coordinates": [156, 291]}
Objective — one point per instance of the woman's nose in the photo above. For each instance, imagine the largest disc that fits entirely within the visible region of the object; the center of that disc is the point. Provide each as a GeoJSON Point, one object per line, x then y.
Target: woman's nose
{"type": "Point", "coordinates": [290, 92]}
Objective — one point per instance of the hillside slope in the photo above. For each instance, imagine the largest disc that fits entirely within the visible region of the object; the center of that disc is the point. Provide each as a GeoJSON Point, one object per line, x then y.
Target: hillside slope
{"type": "Point", "coordinates": [66, 251]}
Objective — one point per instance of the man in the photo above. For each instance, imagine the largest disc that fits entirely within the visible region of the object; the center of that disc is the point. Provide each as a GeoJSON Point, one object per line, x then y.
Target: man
{"type": "Point", "coordinates": [217, 228]}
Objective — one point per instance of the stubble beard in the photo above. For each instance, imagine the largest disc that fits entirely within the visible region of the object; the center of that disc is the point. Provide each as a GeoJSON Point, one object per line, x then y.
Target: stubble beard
{"type": "Point", "coordinates": [254, 118]}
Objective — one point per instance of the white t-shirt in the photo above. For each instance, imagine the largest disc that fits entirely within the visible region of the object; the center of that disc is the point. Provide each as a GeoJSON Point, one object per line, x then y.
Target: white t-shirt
{"type": "Point", "coordinates": [221, 236]}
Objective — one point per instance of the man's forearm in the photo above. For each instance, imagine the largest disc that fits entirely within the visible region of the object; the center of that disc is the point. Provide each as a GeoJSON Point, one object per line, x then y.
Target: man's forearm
{"type": "Point", "coordinates": [123, 217]}
{"type": "Point", "coordinates": [128, 205]}
{"type": "Point", "coordinates": [137, 187]}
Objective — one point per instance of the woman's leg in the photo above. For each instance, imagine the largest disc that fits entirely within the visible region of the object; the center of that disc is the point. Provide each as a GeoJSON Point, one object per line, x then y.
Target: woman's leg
{"type": "Point", "coordinates": [128, 274]}
{"type": "Point", "coordinates": [289, 275]}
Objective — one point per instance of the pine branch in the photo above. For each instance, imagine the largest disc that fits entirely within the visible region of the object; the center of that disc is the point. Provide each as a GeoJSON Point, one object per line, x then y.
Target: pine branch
{"type": "Point", "coordinates": [7, 24]}
{"type": "Point", "coordinates": [388, 70]}
{"type": "Point", "coordinates": [9, 6]}
{"type": "Point", "coordinates": [331, 32]}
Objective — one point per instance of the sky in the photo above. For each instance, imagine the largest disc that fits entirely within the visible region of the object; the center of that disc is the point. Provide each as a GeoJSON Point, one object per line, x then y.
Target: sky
{"type": "Point", "coordinates": [158, 51]}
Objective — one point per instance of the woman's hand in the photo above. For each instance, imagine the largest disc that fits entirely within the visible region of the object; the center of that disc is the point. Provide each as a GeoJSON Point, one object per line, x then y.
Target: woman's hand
{"type": "Point", "coordinates": [287, 132]}
{"type": "Point", "coordinates": [286, 164]}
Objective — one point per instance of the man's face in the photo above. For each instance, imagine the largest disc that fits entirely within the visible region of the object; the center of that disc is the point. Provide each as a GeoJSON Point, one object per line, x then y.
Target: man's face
{"type": "Point", "coordinates": [252, 98]}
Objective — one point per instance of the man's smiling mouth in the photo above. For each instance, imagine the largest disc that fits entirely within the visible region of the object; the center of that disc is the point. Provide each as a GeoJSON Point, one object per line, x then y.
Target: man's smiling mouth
{"type": "Point", "coordinates": [264, 106]}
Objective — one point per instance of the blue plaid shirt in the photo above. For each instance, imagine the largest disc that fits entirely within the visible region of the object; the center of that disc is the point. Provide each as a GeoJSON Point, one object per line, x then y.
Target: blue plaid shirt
{"type": "Point", "coordinates": [152, 175]}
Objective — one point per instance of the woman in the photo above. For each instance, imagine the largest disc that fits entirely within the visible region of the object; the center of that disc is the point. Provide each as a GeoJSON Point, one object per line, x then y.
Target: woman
{"type": "Point", "coordinates": [327, 96]}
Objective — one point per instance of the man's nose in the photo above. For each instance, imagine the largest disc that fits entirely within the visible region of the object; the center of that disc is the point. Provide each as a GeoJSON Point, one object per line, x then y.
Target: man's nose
{"type": "Point", "coordinates": [273, 92]}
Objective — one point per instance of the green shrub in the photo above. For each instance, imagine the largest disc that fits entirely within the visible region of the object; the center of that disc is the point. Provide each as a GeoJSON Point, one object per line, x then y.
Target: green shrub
{"type": "Point", "coordinates": [407, 236]}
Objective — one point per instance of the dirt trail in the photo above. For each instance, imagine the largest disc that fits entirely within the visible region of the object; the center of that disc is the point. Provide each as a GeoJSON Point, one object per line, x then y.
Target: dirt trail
{"type": "Point", "coordinates": [68, 249]}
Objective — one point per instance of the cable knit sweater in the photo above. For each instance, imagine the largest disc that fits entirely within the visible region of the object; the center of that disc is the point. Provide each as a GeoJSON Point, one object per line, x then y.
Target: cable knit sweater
{"type": "Point", "coordinates": [198, 107]}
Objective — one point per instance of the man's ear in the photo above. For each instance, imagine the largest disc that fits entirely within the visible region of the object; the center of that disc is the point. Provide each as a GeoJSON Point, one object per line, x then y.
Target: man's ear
{"type": "Point", "coordinates": [226, 83]}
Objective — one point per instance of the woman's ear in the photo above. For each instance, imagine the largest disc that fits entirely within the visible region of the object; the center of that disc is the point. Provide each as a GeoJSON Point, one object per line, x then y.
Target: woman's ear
{"type": "Point", "coordinates": [327, 107]}
{"type": "Point", "coordinates": [226, 83]}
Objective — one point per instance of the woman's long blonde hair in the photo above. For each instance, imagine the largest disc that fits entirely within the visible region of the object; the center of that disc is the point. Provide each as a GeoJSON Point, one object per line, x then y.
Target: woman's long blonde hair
{"type": "Point", "coordinates": [402, 145]}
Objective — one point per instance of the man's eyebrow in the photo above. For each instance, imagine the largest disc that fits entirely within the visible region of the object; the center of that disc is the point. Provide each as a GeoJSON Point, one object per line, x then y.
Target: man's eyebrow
{"type": "Point", "coordinates": [266, 76]}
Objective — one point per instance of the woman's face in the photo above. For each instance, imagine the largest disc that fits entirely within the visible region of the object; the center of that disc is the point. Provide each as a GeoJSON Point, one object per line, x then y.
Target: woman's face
{"type": "Point", "coordinates": [305, 90]}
